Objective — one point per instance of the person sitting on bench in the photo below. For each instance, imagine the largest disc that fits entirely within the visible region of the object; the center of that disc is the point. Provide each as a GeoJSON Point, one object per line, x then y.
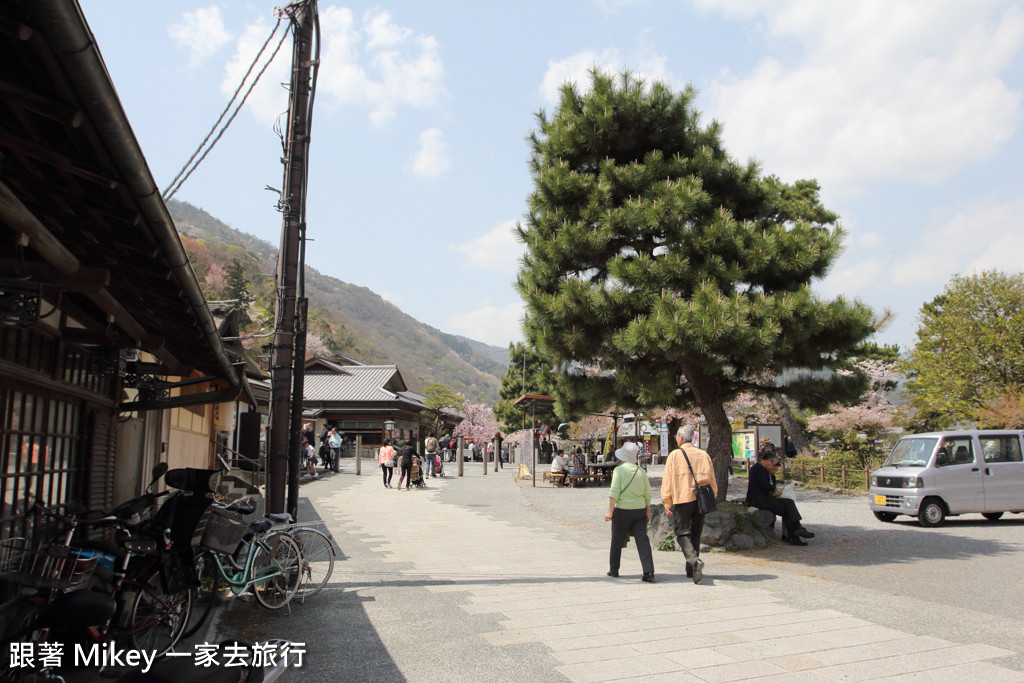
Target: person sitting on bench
{"type": "Point", "coordinates": [559, 465]}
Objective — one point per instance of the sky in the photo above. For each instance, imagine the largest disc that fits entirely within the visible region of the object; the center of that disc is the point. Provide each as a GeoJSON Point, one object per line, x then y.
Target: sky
{"type": "Point", "coordinates": [907, 112]}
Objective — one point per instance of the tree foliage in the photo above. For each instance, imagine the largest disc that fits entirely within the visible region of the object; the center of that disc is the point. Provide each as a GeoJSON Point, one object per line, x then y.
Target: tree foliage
{"type": "Point", "coordinates": [969, 356]}
{"type": "Point", "coordinates": [661, 273]}
{"type": "Point", "coordinates": [441, 400]}
{"type": "Point", "coordinates": [479, 424]}
{"type": "Point", "coordinates": [528, 373]}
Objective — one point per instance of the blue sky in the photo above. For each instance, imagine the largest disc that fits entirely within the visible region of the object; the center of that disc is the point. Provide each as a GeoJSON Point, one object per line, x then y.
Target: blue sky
{"type": "Point", "coordinates": [908, 112]}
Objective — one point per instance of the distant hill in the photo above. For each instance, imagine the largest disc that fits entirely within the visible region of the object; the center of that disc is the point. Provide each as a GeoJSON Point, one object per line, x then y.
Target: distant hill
{"type": "Point", "coordinates": [375, 330]}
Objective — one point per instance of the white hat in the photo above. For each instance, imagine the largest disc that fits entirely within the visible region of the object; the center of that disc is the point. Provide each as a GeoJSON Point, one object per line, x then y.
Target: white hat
{"type": "Point", "coordinates": [628, 452]}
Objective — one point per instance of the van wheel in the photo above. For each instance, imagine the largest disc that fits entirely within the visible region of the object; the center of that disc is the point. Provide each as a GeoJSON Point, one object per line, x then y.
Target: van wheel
{"type": "Point", "coordinates": [884, 516]}
{"type": "Point", "coordinates": [991, 516]}
{"type": "Point", "coordinates": [931, 513]}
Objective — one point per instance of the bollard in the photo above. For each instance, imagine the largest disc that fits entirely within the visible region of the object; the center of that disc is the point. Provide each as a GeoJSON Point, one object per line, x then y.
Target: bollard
{"type": "Point", "coordinates": [359, 454]}
{"type": "Point", "coordinates": [459, 455]}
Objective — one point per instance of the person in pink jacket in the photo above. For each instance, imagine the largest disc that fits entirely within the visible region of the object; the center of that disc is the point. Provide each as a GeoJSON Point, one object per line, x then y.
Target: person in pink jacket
{"type": "Point", "coordinates": [386, 457]}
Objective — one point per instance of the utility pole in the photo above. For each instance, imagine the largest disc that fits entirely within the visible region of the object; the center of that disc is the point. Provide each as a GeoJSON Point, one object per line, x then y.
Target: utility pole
{"type": "Point", "coordinates": [289, 346]}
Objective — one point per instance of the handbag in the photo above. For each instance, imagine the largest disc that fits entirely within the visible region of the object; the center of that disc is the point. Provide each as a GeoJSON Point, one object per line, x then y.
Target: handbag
{"type": "Point", "coordinates": [389, 463]}
{"type": "Point", "coordinates": [705, 494]}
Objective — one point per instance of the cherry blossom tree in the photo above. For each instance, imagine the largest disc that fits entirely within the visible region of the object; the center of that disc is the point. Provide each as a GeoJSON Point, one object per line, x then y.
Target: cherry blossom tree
{"type": "Point", "coordinates": [479, 425]}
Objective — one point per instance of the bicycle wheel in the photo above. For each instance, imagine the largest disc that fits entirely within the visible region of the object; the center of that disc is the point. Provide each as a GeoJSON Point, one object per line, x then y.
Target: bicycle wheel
{"type": "Point", "coordinates": [317, 560]}
{"type": "Point", "coordinates": [204, 595]}
{"type": "Point", "coordinates": [276, 569]}
{"type": "Point", "coordinates": [157, 620]}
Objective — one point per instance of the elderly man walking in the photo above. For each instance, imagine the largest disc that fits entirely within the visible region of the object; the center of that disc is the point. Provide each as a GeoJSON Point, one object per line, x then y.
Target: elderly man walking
{"type": "Point", "coordinates": [687, 467]}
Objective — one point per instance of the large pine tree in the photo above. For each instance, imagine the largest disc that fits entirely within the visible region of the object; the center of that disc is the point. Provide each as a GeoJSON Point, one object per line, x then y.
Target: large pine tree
{"type": "Point", "coordinates": [659, 272]}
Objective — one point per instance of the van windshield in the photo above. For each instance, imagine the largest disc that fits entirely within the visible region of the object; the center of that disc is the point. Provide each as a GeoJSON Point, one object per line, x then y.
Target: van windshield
{"type": "Point", "coordinates": [911, 452]}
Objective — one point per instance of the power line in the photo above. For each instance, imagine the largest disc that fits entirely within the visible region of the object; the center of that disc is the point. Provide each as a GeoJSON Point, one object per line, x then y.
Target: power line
{"type": "Point", "coordinates": [176, 184]}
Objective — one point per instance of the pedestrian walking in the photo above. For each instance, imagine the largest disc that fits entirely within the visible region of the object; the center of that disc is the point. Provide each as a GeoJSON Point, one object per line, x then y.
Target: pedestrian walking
{"type": "Point", "coordinates": [629, 511]}
{"type": "Point", "coordinates": [334, 440]}
{"type": "Point", "coordinates": [687, 467]}
{"type": "Point", "coordinates": [405, 454]}
{"type": "Point", "coordinates": [430, 445]}
{"type": "Point", "coordinates": [386, 458]}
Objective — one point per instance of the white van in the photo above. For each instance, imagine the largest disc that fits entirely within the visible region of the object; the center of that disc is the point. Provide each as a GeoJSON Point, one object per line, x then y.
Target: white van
{"type": "Point", "coordinates": [943, 474]}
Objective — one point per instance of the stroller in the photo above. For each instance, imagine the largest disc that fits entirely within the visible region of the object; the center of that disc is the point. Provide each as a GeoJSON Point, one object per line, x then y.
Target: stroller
{"type": "Point", "coordinates": [416, 473]}
{"type": "Point", "coordinates": [439, 465]}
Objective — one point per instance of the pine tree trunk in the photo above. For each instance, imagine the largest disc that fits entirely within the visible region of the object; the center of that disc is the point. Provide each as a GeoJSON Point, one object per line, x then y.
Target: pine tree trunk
{"type": "Point", "coordinates": [793, 429]}
{"type": "Point", "coordinates": [706, 392]}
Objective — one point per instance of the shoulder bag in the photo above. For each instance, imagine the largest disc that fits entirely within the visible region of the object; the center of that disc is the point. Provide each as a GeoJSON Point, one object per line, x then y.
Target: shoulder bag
{"type": "Point", "coordinates": [705, 494]}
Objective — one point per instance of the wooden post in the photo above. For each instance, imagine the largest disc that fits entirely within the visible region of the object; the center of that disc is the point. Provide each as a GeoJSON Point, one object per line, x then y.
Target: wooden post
{"type": "Point", "coordinates": [844, 476]}
{"type": "Point", "coordinates": [359, 454]}
{"type": "Point", "coordinates": [459, 455]}
{"type": "Point", "coordinates": [483, 456]}
{"type": "Point", "coordinates": [823, 475]}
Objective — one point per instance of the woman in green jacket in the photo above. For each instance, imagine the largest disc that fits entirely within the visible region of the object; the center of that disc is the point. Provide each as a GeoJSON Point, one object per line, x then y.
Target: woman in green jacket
{"type": "Point", "coordinates": [629, 509]}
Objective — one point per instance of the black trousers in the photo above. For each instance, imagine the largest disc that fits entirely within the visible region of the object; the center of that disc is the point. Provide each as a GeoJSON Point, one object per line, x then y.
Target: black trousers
{"type": "Point", "coordinates": [783, 507]}
{"type": "Point", "coordinates": [622, 522]}
{"type": "Point", "coordinates": [688, 524]}
{"type": "Point", "coordinates": [387, 472]}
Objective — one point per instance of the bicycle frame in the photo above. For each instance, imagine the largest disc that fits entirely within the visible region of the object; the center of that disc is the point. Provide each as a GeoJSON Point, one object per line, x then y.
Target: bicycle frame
{"type": "Point", "coordinates": [238, 581]}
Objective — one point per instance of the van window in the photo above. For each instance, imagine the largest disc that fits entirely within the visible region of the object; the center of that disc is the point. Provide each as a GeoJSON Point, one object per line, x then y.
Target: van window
{"type": "Point", "coordinates": [912, 452]}
{"type": "Point", "coordinates": [1001, 448]}
{"type": "Point", "coordinates": [956, 450]}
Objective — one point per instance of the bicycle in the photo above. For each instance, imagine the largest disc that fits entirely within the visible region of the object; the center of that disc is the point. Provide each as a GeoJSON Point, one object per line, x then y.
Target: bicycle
{"type": "Point", "coordinates": [272, 566]}
{"type": "Point", "coordinates": [316, 547]}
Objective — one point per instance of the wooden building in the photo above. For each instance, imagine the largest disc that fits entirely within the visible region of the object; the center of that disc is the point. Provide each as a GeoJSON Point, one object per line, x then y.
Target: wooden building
{"type": "Point", "coordinates": [110, 359]}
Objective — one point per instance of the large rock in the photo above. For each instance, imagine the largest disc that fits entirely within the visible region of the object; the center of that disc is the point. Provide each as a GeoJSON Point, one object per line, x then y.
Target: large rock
{"type": "Point", "coordinates": [762, 519]}
{"type": "Point", "coordinates": [719, 526]}
{"type": "Point", "coordinates": [757, 537]}
{"type": "Point", "coordinates": [742, 542]}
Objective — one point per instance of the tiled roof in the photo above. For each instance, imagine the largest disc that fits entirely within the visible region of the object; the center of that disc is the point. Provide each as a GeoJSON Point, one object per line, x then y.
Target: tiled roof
{"type": "Point", "coordinates": [361, 383]}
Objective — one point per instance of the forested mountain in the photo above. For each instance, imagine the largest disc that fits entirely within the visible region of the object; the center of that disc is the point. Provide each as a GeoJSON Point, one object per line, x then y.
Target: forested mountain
{"type": "Point", "coordinates": [343, 318]}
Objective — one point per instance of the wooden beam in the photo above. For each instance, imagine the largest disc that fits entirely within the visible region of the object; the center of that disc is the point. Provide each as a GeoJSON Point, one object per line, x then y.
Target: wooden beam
{"type": "Point", "coordinates": [34, 102]}
{"type": "Point", "coordinates": [87, 278]}
{"type": "Point", "coordinates": [17, 215]}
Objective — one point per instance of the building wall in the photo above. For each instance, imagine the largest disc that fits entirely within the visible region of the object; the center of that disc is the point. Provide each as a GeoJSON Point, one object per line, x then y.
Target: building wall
{"type": "Point", "coordinates": [189, 441]}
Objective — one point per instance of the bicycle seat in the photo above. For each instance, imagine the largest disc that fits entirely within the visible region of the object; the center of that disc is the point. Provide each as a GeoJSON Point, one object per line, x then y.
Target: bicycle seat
{"type": "Point", "coordinates": [279, 517]}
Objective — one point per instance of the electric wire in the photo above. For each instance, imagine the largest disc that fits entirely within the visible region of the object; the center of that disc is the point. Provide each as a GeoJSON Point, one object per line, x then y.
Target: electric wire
{"type": "Point", "coordinates": [175, 184]}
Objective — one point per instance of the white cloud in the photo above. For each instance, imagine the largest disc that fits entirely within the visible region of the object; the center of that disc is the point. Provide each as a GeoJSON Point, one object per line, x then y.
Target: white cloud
{"type": "Point", "coordinates": [644, 63]}
{"type": "Point", "coordinates": [430, 160]}
{"type": "Point", "coordinates": [268, 100]}
{"type": "Point", "coordinates": [498, 250]}
{"type": "Point", "coordinates": [378, 64]}
{"type": "Point", "coordinates": [200, 33]}
{"type": "Point", "coordinates": [491, 325]}
{"type": "Point", "coordinates": [979, 237]}
{"type": "Point", "coordinates": [850, 280]}
{"type": "Point", "coordinates": [873, 90]}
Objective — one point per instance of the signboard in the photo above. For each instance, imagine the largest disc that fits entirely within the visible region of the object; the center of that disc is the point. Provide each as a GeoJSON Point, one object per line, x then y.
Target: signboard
{"type": "Point", "coordinates": [543, 429]}
{"type": "Point", "coordinates": [575, 429]}
{"type": "Point", "coordinates": [663, 433]}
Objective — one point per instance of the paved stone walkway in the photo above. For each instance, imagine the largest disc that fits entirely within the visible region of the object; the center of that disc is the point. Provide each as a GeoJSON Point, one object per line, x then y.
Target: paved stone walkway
{"type": "Point", "coordinates": [583, 626]}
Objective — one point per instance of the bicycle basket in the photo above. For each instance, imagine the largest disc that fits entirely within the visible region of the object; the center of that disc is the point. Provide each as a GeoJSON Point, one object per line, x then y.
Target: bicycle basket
{"type": "Point", "coordinates": [224, 531]}
{"type": "Point", "coordinates": [44, 565]}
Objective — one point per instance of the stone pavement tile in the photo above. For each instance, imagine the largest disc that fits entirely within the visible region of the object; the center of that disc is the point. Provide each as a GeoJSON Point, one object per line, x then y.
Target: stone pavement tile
{"type": "Point", "coordinates": [667, 645]}
{"type": "Point", "coordinates": [559, 620]}
{"type": "Point", "coordinates": [911, 663]}
{"type": "Point", "coordinates": [595, 654]}
{"type": "Point", "coordinates": [796, 662]}
{"type": "Point", "coordinates": [592, 672]}
{"type": "Point", "coordinates": [741, 612]}
{"type": "Point", "coordinates": [909, 644]}
{"type": "Point", "coordinates": [513, 637]}
{"type": "Point", "coordinates": [736, 671]}
{"type": "Point", "coordinates": [582, 642]}
{"type": "Point", "coordinates": [597, 628]}
{"type": "Point", "coordinates": [802, 628]}
{"type": "Point", "coordinates": [860, 653]}
{"type": "Point", "coordinates": [723, 638]}
{"type": "Point", "coordinates": [670, 677]}
{"type": "Point", "coordinates": [808, 676]}
{"type": "Point", "coordinates": [861, 635]}
{"type": "Point", "coordinates": [977, 671]}
{"type": "Point", "coordinates": [698, 658]}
